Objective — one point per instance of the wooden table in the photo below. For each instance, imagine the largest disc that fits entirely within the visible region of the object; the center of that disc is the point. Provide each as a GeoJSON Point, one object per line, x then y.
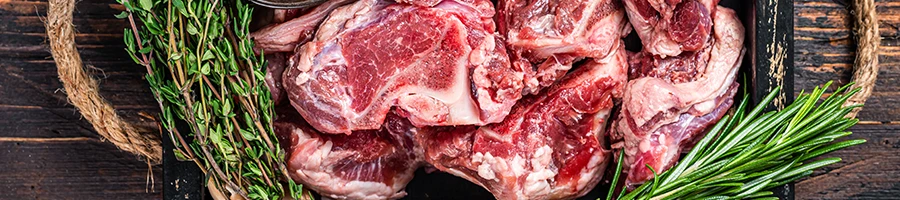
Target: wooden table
{"type": "Point", "coordinates": [49, 152]}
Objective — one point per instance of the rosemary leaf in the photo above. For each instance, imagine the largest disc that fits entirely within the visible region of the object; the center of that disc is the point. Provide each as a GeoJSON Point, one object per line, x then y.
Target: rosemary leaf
{"type": "Point", "coordinates": [745, 154]}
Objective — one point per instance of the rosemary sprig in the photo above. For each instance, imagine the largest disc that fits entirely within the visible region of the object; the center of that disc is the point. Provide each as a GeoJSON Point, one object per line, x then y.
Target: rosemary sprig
{"type": "Point", "coordinates": [202, 70]}
{"type": "Point", "coordinates": [746, 154]}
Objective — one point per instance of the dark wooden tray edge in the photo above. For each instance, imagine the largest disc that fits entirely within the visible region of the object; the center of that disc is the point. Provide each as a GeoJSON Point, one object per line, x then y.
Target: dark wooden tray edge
{"type": "Point", "coordinates": [769, 60]}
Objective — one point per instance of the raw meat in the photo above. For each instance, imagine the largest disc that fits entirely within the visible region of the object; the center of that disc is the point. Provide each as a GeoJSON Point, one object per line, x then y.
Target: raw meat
{"type": "Point", "coordinates": [425, 3]}
{"type": "Point", "coordinates": [549, 147]}
{"type": "Point", "coordinates": [679, 69]}
{"type": "Point", "coordinates": [284, 37]}
{"type": "Point", "coordinates": [545, 37]}
{"type": "Point", "coordinates": [669, 27]}
{"type": "Point", "coordinates": [374, 164]}
{"type": "Point", "coordinates": [674, 99]}
{"type": "Point", "coordinates": [279, 38]}
{"type": "Point", "coordinates": [437, 66]}
{"type": "Point", "coordinates": [282, 15]}
{"type": "Point", "coordinates": [274, 71]}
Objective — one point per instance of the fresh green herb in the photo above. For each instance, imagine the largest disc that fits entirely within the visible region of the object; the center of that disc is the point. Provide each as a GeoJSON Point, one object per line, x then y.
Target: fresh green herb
{"type": "Point", "coordinates": [203, 72]}
{"type": "Point", "coordinates": [746, 154]}
{"type": "Point", "coordinates": [615, 180]}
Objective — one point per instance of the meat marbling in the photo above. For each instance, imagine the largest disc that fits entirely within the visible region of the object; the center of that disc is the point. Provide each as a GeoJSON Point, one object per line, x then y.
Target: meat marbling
{"type": "Point", "coordinates": [274, 70]}
{"type": "Point", "coordinates": [674, 99]}
{"type": "Point", "coordinates": [549, 147]}
{"type": "Point", "coordinates": [438, 66]}
{"type": "Point", "coordinates": [371, 164]}
{"type": "Point", "coordinates": [545, 37]}
{"type": "Point", "coordinates": [282, 15]}
{"type": "Point", "coordinates": [669, 27]}
{"type": "Point", "coordinates": [425, 3]}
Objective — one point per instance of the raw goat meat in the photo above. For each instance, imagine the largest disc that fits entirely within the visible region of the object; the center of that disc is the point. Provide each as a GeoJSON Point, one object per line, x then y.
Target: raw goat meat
{"type": "Point", "coordinates": [282, 15]}
{"type": "Point", "coordinates": [284, 37]}
{"type": "Point", "coordinates": [674, 99]}
{"type": "Point", "coordinates": [425, 3]}
{"type": "Point", "coordinates": [669, 27]}
{"type": "Point", "coordinates": [549, 147]}
{"type": "Point", "coordinates": [437, 66]}
{"type": "Point", "coordinates": [280, 38]}
{"type": "Point", "coordinates": [545, 37]}
{"type": "Point", "coordinates": [274, 71]}
{"type": "Point", "coordinates": [373, 164]}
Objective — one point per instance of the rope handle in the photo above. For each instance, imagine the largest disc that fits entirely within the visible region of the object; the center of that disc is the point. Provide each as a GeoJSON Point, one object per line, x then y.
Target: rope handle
{"type": "Point", "coordinates": [865, 67]}
{"type": "Point", "coordinates": [83, 92]}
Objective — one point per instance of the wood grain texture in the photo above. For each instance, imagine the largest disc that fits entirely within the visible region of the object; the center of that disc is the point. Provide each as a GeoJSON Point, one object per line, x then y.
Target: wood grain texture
{"type": "Point", "coordinates": [72, 168]}
{"type": "Point", "coordinates": [50, 153]}
{"type": "Point", "coordinates": [867, 171]}
{"type": "Point", "coordinates": [824, 50]}
{"type": "Point", "coordinates": [771, 46]}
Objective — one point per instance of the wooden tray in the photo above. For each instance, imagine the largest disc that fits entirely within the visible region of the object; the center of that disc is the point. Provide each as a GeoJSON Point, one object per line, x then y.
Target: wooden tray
{"type": "Point", "coordinates": [769, 64]}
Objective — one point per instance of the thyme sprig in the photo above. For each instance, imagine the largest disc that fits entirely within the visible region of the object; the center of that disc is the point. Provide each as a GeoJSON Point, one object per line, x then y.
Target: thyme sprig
{"type": "Point", "coordinates": [203, 72]}
{"type": "Point", "coordinates": [746, 154]}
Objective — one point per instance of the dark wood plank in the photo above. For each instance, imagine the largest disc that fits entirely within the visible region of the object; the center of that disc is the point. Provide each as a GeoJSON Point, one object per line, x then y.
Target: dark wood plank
{"type": "Point", "coordinates": [181, 179]}
{"type": "Point", "coordinates": [48, 151]}
{"type": "Point", "coordinates": [35, 83]}
{"type": "Point", "coordinates": [72, 168]}
{"type": "Point", "coordinates": [83, 9]}
{"type": "Point", "coordinates": [67, 160]}
{"type": "Point", "coordinates": [772, 60]}
{"type": "Point", "coordinates": [42, 122]}
{"type": "Point", "coordinates": [83, 25]}
{"type": "Point", "coordinates": [824, 50]}
{"type": "Point", "coordinates": [867, 171]}
{"type": "Point", "coordinates": [771, 43]}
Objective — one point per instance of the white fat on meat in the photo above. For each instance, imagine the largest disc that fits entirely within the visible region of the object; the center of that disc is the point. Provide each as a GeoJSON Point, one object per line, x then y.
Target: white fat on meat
{"type": "Point", "coordinates": [662, 114]}
{"type": "Point", "coordinates": [650, 96]}
{"type": "Point", "coordinates": [438, 66]}
{"type": "Point", "coordinates": [547, 37]}
{"type": "Point", "coordinates": [538, 181]}
{"type": "Point", "coordinates": [320, 154]}
{"type": "Point", "coordinates": [655, 30]}
{"type": "Point", "coordinates": [374, 164]}
{"type": "Point", "coordinates": [549, 147]}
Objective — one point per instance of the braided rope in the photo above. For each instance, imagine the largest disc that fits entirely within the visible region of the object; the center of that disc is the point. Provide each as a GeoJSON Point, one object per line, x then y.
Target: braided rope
{"type": "Point", "coordinates": [865, 67]}
{"type": "Point", "coordinates": [83, 92]}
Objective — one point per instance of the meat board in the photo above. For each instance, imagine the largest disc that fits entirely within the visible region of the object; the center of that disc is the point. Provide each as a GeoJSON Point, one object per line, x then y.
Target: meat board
{"type": "Point", "coordinates": [768, 64]}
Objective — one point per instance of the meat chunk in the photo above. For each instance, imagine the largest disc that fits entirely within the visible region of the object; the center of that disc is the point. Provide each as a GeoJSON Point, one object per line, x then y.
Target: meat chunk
{"type": "Point", "coordinates": [545, 37]}
{"type": "Point", "coordinates": [669, 27]}
{"type": "Point", "coordinates": [425, 3]}
{"type": "Point", "coordinates": [373, 164]}
{"type": "Point", "coordinates": [282, 15]}
{"type": "Point", "coordinates": [674, 99]}
{"type": "Point", "coordinates": [679, 69]}
{"type": "Point", "coordinates": [438, 66]}
{"type": "Point", "coordinates": [549, 147]}
{"type": "Point", "coordinates": [284, 37]}
{"type": "Point", "coordinates": [274, 70]}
